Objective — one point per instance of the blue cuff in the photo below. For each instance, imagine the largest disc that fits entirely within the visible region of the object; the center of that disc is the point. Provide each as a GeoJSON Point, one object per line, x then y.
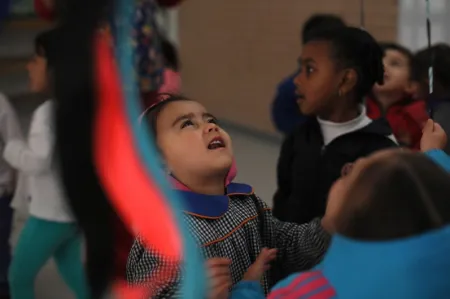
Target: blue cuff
{"type": "Point", "coordinates": [247, 289]}
{"type": "Point", "coordinates": [440, 158]}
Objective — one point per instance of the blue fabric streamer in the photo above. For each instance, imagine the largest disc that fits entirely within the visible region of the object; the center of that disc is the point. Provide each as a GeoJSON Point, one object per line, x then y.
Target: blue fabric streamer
{"type": "Point", "coordinates": [193, 282]}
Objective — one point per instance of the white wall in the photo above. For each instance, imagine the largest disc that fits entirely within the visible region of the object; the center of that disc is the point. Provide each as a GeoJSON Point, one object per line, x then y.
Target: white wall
{"type": "Point", "coordinates": [168, 23]}
{"type": "Point", "coordinates": [412, 22]}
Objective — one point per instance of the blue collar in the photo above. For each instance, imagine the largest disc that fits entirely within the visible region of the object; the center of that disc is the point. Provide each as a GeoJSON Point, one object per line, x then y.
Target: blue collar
{"type": "Point", "coordinates": [212, 206]}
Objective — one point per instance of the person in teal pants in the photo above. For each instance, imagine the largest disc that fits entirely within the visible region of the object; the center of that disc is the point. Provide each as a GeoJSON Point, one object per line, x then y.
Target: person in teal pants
{"type": "Point", "coordinates": [51, 230]}
{"type": "Point", "coordinates": [39, 241]}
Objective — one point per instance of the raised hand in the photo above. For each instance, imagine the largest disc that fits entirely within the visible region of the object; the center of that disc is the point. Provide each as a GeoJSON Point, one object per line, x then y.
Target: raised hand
{"type": "Point", "coordinates": [433, 137]}
{"type": "Point", "coordinates": [261, 265]}
{"type": "Point", "coordinates": [219, 275]}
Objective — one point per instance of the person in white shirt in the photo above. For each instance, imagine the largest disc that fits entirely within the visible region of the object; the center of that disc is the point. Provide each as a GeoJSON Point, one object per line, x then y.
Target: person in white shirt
{"type": "Point", "coordinates": [9, 130]}
{"type": "Point", "coordinates": [51, 230]}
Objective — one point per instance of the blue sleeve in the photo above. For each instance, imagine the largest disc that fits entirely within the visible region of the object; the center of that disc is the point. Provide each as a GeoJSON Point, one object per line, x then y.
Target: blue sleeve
{"type": "Point", "coordinates": [285, 282]}
{"type": "Point", "coordinates": [285, 112]}
{"type": "Point", "coordinates": [440, 158]}
{"type": "Point", "coordinates": [247, 290]}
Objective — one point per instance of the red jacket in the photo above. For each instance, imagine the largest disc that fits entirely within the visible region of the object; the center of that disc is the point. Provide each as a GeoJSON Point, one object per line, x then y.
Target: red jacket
{"type": "Point", "coordinates": [406, 119]}
{"type": "Point", "coordinates": [43, 11]}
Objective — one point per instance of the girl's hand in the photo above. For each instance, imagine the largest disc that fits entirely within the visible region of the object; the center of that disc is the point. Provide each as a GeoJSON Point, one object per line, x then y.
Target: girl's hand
{"type": "Point", "coordinates": [433, 137]}
{"type": "Point", "coordinates": [219, 277]}
{"type": "Point", "coordinates": [261, 265]}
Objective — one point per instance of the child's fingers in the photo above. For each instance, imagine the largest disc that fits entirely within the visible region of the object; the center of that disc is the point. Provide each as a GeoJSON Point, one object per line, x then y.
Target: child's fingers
{"type": "Point", "coordinates": [219, 271]}
{"type": "Point", "coordinates": [270, 255]}
{"type": "Point", "coordinates": [429, 126]}
{"type": "Point", "coordinates": [221, 291]}
{"type": "Point", "coordinates": [218, 261]}
{"type": "Point", "coordinates": [437, 127]}
{"type": "Point", "coordinates": [224, 280]}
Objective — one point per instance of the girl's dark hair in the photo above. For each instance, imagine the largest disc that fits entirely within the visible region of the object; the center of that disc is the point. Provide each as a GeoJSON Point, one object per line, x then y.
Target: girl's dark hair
{"type": "Point", "coordinates": [152, 113]}
{"type": "Point", "coordinates": [400, 196]}
{"type": "Point", "coordinates": [356, 49]}
{"type": "Point", "coordinates": [440, 55]}
{"type": "Point", "coordinates": [45, 45]}
{"type": "Point", "coordinates": [170, 54]}
{"type": "Point", "coordinates": [320, 22]}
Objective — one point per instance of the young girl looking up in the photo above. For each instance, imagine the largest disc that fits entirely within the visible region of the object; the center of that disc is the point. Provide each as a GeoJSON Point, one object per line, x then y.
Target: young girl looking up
{"type": "Point", "coordinates": [337, 70]}
{"type": "Point", "coordinates": [228, 220]}
{"type": "Point", "coordinates": [51, 230]}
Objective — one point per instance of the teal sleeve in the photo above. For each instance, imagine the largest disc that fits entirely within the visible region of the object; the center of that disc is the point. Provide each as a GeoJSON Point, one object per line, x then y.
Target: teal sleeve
{"type": "Point", "coordinates": [440, 158]}
{"type": "Point", "coordinates": [247, 290]}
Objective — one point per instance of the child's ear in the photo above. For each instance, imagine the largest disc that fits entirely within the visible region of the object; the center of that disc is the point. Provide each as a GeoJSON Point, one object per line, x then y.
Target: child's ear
{"type": "Point", "coordinates": [349, 80]}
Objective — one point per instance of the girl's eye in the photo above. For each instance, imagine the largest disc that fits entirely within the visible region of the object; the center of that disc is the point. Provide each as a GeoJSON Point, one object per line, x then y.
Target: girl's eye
{"type": "Point", "coordinates": [309, 70]}
{"type": "Point", "coordinates": [186, 124]}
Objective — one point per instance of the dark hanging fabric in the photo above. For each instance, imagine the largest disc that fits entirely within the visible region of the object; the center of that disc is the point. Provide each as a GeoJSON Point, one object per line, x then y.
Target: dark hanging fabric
{"type": "Point", "coordinates": [75, 97]}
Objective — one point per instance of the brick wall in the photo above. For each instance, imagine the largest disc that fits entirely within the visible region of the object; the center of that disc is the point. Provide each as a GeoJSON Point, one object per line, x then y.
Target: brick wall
{"type": "Point", "coordinates": [234, 52]}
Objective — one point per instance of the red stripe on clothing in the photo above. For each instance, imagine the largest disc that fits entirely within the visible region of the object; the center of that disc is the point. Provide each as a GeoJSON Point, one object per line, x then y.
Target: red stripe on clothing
{"type": "Point", "coordinates": [289, 288]}
{"type": "Point", "coordinates": [327, 293]}
{"type": "Point", "coordinates": [308, 288]}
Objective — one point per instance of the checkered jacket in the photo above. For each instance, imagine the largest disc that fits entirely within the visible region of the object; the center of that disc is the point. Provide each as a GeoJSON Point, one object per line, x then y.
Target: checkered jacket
{"type": "Point", "coordinates": [239, 235]}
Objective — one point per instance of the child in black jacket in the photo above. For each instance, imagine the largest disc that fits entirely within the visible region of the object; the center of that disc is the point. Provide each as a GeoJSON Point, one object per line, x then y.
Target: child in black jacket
{"type": "Point", "coordinates": [337, 69]}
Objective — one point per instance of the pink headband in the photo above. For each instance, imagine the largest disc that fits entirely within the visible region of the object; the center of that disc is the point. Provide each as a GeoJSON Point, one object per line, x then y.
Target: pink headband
{"type": "Point", "coordinates": [159, 98]}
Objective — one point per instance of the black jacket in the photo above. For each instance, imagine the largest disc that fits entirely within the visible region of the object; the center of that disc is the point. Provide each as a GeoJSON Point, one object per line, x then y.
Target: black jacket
{"type": "Point", "coordinates": [307, 169]}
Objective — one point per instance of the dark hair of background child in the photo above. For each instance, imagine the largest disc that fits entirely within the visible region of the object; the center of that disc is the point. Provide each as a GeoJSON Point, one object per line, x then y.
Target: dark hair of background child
{"type": "Point", "coordinates": [403, 196]}
{"type": "Point", "coordinates": [319, 22]}
{"type": "Point", "coordinates": [441, 65]}
{"type": "Point", "coordinates": [45, 46]}
{"type": "Point", "coordinates": [170, 54]}
{"type": "Point", "coordinates": [354, 48]}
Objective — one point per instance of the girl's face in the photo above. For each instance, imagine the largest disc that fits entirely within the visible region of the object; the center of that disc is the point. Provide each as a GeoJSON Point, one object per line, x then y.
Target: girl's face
{"type": "Point", "coordinates": [37, 73]}
{"type": "Point", "coordinates": [338, 197]}
{"type": "Point", "coordinates": [318, 81]}
{"type": "Point", "coordinates": [191, 141]}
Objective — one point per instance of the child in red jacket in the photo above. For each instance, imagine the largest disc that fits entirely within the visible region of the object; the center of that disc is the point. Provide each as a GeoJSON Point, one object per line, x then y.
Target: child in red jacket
{"type": "Point", "coordinates": [393, 100]}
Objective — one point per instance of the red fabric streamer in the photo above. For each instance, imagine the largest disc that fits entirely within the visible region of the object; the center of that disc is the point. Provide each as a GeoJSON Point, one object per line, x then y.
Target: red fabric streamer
{"type": "Point", "coordinates": [138, 200]}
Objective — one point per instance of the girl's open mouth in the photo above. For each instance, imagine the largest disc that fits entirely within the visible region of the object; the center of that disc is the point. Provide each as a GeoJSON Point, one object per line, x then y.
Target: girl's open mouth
{"type": "Point", "coordinates": [216, 143]}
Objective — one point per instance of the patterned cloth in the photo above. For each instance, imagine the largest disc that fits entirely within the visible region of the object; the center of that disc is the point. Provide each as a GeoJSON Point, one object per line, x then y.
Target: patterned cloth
{"type": "Point", "coordinates": [148, 59]}
{"type": "Point", "coordinates": [239, 232]}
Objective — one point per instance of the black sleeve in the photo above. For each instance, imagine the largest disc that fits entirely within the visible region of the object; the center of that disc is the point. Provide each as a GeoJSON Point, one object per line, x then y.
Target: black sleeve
{"type": "Point", "coordinates": [284, 177]}
{"type": "Point", "coordinates": [301, 247]}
